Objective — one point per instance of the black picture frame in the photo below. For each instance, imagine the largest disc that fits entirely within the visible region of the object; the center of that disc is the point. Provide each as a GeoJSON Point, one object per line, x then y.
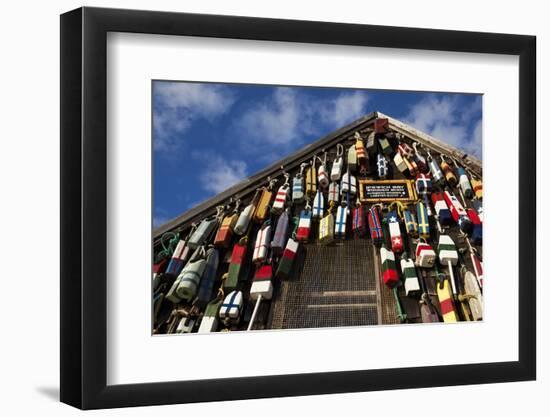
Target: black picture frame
{"type": "Point", "coordinates": [84, 207]}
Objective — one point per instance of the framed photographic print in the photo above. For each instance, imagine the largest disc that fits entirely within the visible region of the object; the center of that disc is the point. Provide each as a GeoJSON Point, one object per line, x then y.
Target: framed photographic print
{"type": "Point", "coordinates": [258, 208]}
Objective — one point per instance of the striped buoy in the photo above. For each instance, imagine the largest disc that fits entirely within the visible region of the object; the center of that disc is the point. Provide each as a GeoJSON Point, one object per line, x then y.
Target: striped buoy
{"type": "Point", "coordinates": [261, 288]}
{"type": "Point", "coordinates": [287, 260]}
{"type": "Point", "coordinates": [261, 245]}
{"type": "Point", "coordinates": [236, 265]}
{"type": "Point", "coordinates": [262, 285]}
{"type": "Point", "coordinates": [446, 302]}
{"type": "Point", "coordinates": [178, 259]}
{"type": "Point", "coordinates": [424, 254]}
{"type": "Point", "coordinates": [333, 192]}
{"type": "Point", "coordinates": [304, 225]}
{"type": "Point", "coordinates": [311, 180]}
{"type": "Point", "coordinates": [318, 206]}
{"type": "Point", "coordinates": [375, 227]}
{"type": "Point", "coordinates": [411, 226]}
{"type": "Point", "coordinates": [411, 166]}
{"type": "Point", "coordinates": [412, 285]}
{"type": "Point", "coordinates": [338, 163]}
{"type": "Point", "coordinates": [281, 234]}
{"type": "Point", "coordinates": [230, 310]}
{"type": "Point", "coordinates": [349, 184]}
{"type": "Point", "coordinates": [341, 217]}
{"type": "Point", "coordinates": [203, 231]}
{"type": "Point", "coordinates": [225, 232]}
{"type": "Point", "coordinates": [395, 232]}
{"type": "Point", "coordinates": [352, 158]}
{"type": "Point", "coordinates": [435, 171]}
{"type": "Point", "coordinates": [358, 220]}
{"type": "Point", "coordinates": [442, 211]}
{"type": "Point", "coordinates": [209, 321]}
{"type": "Point", "coordinates": [389, 270]}
{"type": "Point", "coordinates": [206, 287]}
{"type": "Point", "coordinates": [423, 220]}
{"type": "Point", "coordinates": [423, 184]}
{"type": "Point", "coordinates": [448, 255]}
{"type": "Point", "coordinates": [381, 166]}
{"type": "Point", "coordinates": [298, 186]}
{"type": "Point", "coordinates": [477, 228]}
{"type": "Point", "coordinates": [448, 172]}
{"type": "Point", "coordinates": [458, 213]}
{"type": "Point", "coordinates": [477, 186]}
{"type": "Point", "coordinates": [360, 150]}
{"type": "Point", "coordinates": [322, 175]}
{"type": "Point", "coordinates": [326, 227]}
{"type": "Point", "coordinates": [280, 198]}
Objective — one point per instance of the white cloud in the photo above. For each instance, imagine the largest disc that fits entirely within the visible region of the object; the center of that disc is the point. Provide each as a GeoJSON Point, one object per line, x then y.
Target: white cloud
{"type": "Point", "coordinates": [219, 173]}
{"type": "Point", "coordinates": [287, 116]}
{"type": "Point", "coordinates": [179, 104]}
{"type": "Point", "coordinates": [448, 119]}
{"type": "Point", "coordinates": [346, 108]}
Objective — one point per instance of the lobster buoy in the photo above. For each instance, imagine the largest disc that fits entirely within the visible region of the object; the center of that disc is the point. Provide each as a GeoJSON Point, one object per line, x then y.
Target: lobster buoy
{"type": "Point", "coordinates": [425, 255]}
{"type": "Point", "coordinates": [236, 265]}
{"type": "Point", "coordinates": [338, 164]}
{"type": "Point", "coordinates": [244, 220]}
{"type": "Point", "coordinates": [281, 234]}
{"type": "Point", "coordinates": [178, 259]}
{"type": "Point", "coordinates": [188, 281]}
{"type": "Point", "coordinates": [261, 245]}
{"type": "Point", "coordinates": [423, 184]}
{"type": "Point", "coordinates": [304, 225]}
{"type": "Point", "coordinates": [206, 287]}
{"type": "Point", "coordinates": [349, 184]}
{"type": "Point", "coordinates": [405, 150]}
{"type": "Point", "coordinates": [318, 206]}
{"type": "Point", "coordinates": [464, 183]}
{"type": "Point", "coordinates": [381, 166]}
{"type": "Point", "coordinates": [287, 260]}
{"type": "Point", "coordinates": [199, 236]}
{"type": "Point", "coordinates": [477, 228]}
{"type": "Point", "coordinates": [230, 310]}
{"type": "Point", "coordinates": [280, 199]}
{"type": "Point", "coordinates": [458, 213]}
{"type": "Point", "coordinates": [341, 217]}
{"type": "Point", "coordinates": [395, 232]}
{"type": "Point", "coordinates": [333, 192]}
{"type": "Point", "coordinates": [326, 227]}
{"type": "Point", "coordinates": [358, 221]}
{"type": "Point", "coordinates": [389, 270]}
{"type": "Point", "coordinates": [352, 158]}
{"type": "Point", "coordinates": [412, 285]}
{"type": "Point", "coordinates": [262, 285]}
{"type": "Point", "coordinates": [400, 163]}
{"type": "Point", "coordinates": [442, 211]}
{"type": "Point", "coordinates": [375, 226]}
{"type": "Point", "coordinates": [411, 226]}
{"type": "Point", "coordinates": [423, 221]}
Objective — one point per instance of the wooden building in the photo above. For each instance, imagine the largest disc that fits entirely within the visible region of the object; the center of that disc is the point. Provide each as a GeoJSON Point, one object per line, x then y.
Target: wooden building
{"type": "Point", "coordinates": [337, 279]}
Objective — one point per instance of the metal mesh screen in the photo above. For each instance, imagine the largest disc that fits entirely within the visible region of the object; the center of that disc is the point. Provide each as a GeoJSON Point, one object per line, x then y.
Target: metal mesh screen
{"type": "Point", "coordinates": [332, 286]}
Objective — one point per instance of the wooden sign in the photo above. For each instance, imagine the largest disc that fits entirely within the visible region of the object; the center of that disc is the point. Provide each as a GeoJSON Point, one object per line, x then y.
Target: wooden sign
{"type": "Point", "coordinates": [373, 191]}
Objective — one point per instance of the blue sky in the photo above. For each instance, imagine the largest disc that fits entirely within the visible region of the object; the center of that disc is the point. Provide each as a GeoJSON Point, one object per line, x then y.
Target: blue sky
{"type": "Point", "coordinates": [207, 137]}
